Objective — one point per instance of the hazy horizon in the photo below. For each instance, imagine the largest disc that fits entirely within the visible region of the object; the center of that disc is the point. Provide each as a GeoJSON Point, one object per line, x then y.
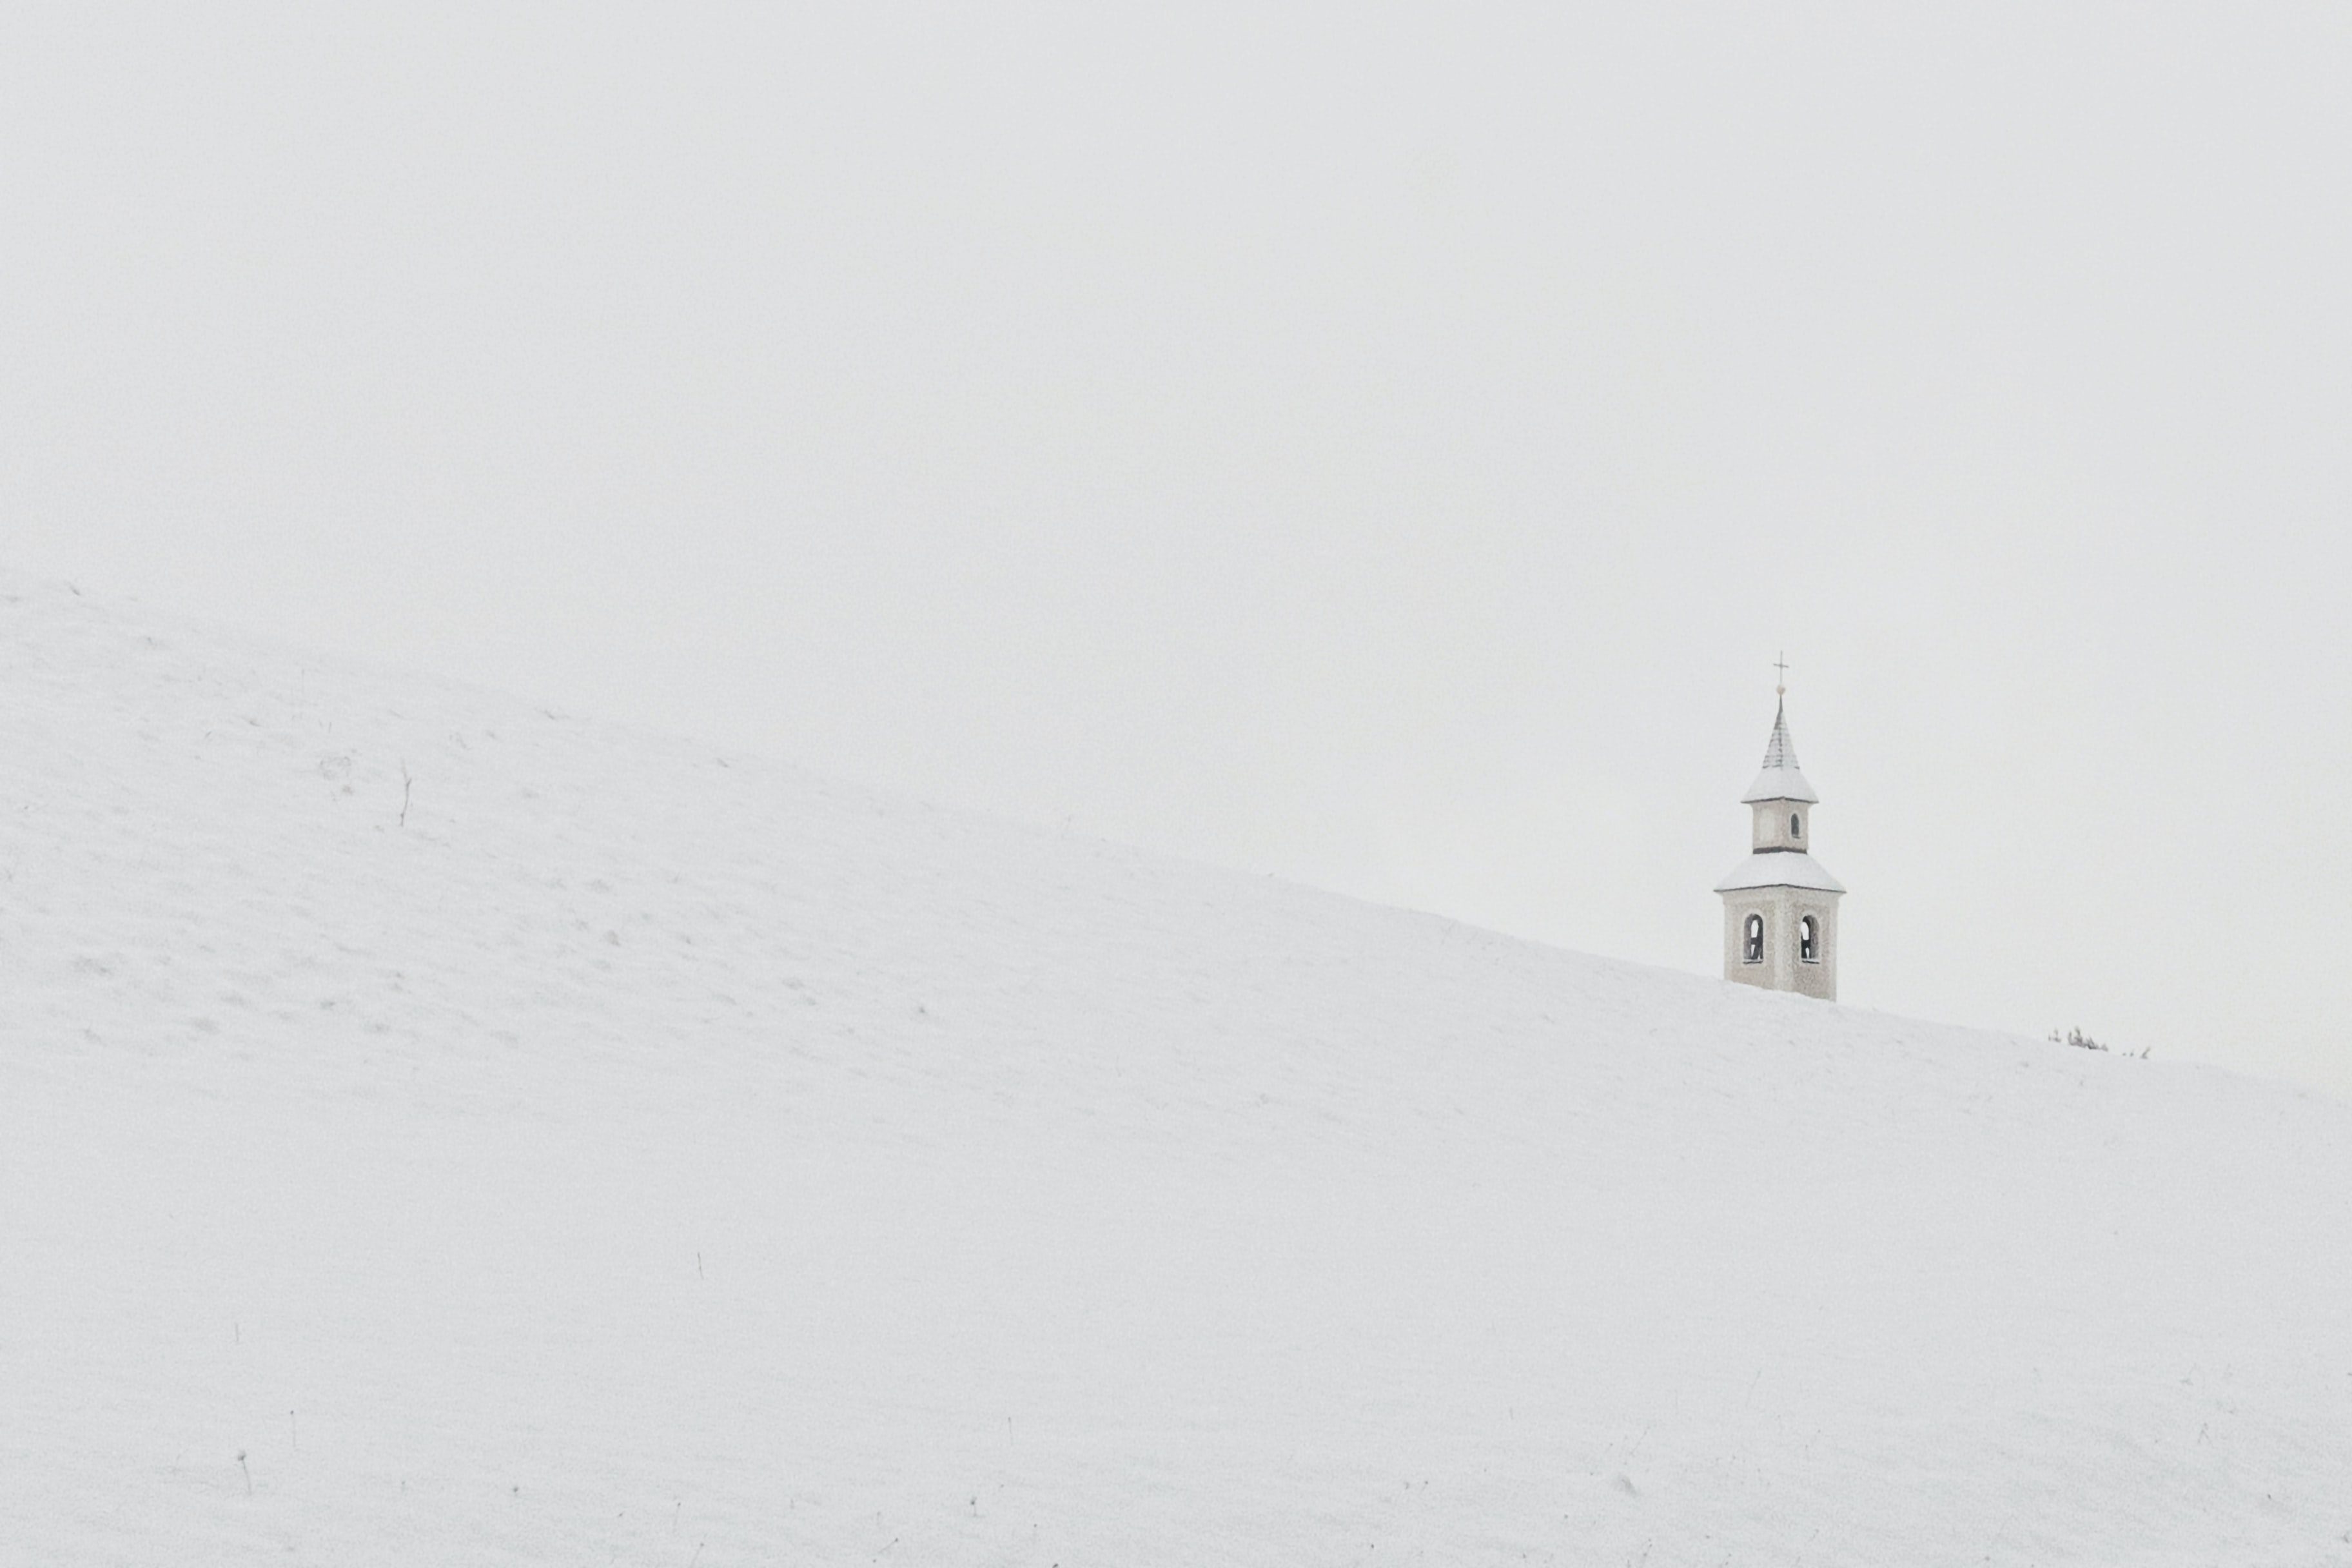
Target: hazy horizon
{"type": "Point", "coordinates": [1387, 449]}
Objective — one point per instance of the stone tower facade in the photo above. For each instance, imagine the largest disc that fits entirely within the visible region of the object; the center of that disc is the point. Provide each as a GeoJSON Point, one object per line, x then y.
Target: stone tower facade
{"type": "Point", "coordinates": [1780, 908]}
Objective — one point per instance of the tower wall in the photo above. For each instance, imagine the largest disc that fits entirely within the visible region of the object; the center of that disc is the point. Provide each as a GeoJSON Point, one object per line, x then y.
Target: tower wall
{"type": "Point", "coordinates": [1770, 826]}
{"type": "Point", "coordinates": [1781, 968]}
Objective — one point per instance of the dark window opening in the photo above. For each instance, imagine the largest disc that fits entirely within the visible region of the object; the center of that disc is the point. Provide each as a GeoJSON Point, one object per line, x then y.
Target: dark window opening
{"type": "Point", "coordinates": [1796, 825]}
{"type": "Point", "coordinates": [1809, 940]}
{"type": "Point", "coordinates": [1751, 947]}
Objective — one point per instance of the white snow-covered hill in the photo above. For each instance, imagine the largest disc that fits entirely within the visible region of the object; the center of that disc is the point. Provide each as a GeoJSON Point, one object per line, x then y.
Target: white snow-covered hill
{"type": "Point", "coordinates": [433, 1130]}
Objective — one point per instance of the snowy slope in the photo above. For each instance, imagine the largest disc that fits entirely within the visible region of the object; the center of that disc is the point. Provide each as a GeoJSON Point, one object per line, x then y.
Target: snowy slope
{"type": "Point", "coordinates": [647, 1155]}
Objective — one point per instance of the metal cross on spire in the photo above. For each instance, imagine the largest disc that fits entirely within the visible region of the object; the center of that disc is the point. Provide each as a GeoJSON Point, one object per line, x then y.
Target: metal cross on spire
{"type": "Point", "coordinates": [1781, 664]}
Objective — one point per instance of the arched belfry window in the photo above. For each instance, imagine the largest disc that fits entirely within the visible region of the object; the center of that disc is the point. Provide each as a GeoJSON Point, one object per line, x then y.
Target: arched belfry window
{"type": "Point", "coordinates": [1751, 945]}
{"type": "Point", "coordinates": [1809, 940]}
{"type": "Point", "coordinates": [1796, 825]}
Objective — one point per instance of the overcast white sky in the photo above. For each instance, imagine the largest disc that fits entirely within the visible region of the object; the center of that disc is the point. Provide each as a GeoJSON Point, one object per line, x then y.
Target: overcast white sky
{"type": "Point", "coordinates": [1382, 446]}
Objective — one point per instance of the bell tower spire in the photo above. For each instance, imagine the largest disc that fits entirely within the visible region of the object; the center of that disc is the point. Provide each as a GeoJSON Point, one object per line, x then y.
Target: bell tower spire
{"type": "Point", "coordinates": [1779, 906]}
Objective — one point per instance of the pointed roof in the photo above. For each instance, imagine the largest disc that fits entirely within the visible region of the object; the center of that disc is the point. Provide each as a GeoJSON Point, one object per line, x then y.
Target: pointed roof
{"type": "Point", "coordinates": [1781, 752]}
{"type": "Point", "coordinates": [1779, 780]}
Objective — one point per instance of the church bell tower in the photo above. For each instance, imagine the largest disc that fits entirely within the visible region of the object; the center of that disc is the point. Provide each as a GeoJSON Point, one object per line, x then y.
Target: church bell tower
{"type": "Point", "coordinates": [1780, 908]}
